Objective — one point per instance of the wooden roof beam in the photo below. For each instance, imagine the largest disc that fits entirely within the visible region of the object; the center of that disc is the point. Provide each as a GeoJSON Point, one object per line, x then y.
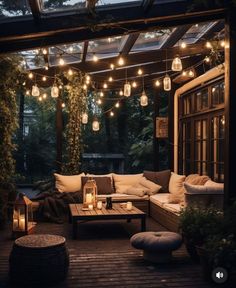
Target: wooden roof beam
{"type": "Point", "coordinates": [175, 36]}
{"type": "Point", "coordinates": [85, 50]}
{"type": "Point", "coordinates": [35, 6]}
{"type": "Point", "coordinates": [127, 45]}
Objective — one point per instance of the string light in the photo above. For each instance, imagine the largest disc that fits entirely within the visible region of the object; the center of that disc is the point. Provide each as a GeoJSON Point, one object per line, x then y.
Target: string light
{"type": "Point", "coordinates": [85, 87]}
{"type": "Point", "coordinates": [60, 86]}
{"type": "Point", "coordinates": [84, 118]}
{"type": "Point", "coordinates": [95, 125]}
{"type": "Point", "coordinates": [70, 72]}
{"type": "Point", "coordinates": [71, 49]}
{"type": "Point", "coordinates": [27, 92]}
{"type": "Point", "coordinates": [95, 58]}
{"type": "Point", "coordinates": [44, 78]}
{"type": "Point", "coordinates": [105, 86]}
{"type": "Point", "coordinates": [40, 99]}
{"type": "Point", "coordinates": [143, 99]}
{"type": "Point", "coordinates": [184, 73]}
{"type": "Point", "coordinates": [111, 113]}
{"type": "Point", "coordinates": [44, 95]}
{"type": "Point", "coordinates": [157, 83]}
{"type": "Point", "coordinates": [88, 78]}
{"type": "Point", "coordinates": [183, 45]}
{"type": "Point", "coordinates": [167, 83]}
{"type": "Point", "coordinates": [222, 43]}
{"type": "Point", "coordinates": [45, 51]}
{"type": "Point", "coordinates": [54, 91]}
{"type": "Point", "coordinates": [61, 61]}
{"type": "Point", "coordinates": [112, 66]}
{"type": "Point", "coordinates": [140, 71]}
{"type": "Point", "coordinates": [35, 90]}
{"type": "Point", "coordinates": [37, 51]}
{"type": "Point", "coordinates": [117, 105]}
{"type": "Point", "coordinates": [121, 61]}
{"type": "Point", "coordinates": [46, 67]}
{"type": "Point", "coordinates": [207, 59]}
{"type": "Point", "coordinates": [121, 93]}
{"type": "Point", "coordinates": [24, 83]}
{"type": "Point", "coordinates": [208, 45]}
{"type": "Point", "coordinates": [191, 73]}
{"type": "Point", "coordinates": [176, 64]}
{"type": "Point", "coordinates": [63, 105]}
{"type": "Point", "coordinates": [110, 79]}
{"type": "Point", "coordinates": [101, 94]}
{"type": "Point", "coordinates": [31, 75]}
{"type": "Point", "coordinates": [134, 84]}
{"type": "Point", "coordinates": [99, 101]}
{"type": "Point", "coordinates": [127, 87]}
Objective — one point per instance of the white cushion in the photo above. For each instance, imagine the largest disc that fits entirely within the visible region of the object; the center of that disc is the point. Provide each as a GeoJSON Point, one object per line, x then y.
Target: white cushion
{"type": "Point", "coordinates": [123, 182]}
{"type": "Point", "coordinates": [151, 187]}
{"type": "Point", "coordinates": [211, 183]}
{"type": "Point", "coordinates": [65, 183]}
{"type": "Point", "coordinates": [160, 198]}
{"type": "Point", "coordinates": [176, 188]}
{"type": "Point", "coordinates": [204, 189]}
{"type": "Point", "coordinates": [175, 208]}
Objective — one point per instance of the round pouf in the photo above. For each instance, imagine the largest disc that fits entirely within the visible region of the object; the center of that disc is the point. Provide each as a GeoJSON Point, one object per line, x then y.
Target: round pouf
{"type": "Point", "coordinates": [157, 246]}
{"type": "Point", "coordinates": [39, 259]}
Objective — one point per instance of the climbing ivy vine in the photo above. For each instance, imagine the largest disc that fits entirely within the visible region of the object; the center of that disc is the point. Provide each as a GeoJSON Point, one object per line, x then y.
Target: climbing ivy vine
{"type": "Point", "coordinates": [76, 105]}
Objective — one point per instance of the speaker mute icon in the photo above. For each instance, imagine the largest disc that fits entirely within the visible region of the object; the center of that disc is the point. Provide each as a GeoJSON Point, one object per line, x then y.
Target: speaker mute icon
{"type": "Point", "coordinates": [219, 275]}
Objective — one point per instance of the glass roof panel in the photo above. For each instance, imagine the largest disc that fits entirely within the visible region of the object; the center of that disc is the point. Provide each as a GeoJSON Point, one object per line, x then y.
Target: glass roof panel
{"type": "Point", "coordinates": [33, 59]}
{"type": "Point", "coordinates": [104, 48]}
{"type": "Point", "coordinates": [70, 53]}
{"type": "Point", "coordinates": [49, 5]}
{"type": "Point", "coordinates": [151, 40]}
{"type": "Point", "coordinates": [14, 8]}
{"type": "Point", "coordinates": [196, 32]}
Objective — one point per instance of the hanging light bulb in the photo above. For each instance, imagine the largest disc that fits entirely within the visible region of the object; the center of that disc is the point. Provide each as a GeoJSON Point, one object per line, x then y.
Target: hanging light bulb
{"type": "Point", "coordinates": [85, 87]}
{"type": "Point", "coordinates": [157, 83]}
{"type": "Point", "coordinates": [99, 101]}
{"type": "Point", "coordinates": [176, 64]}
{"type": "Point", "coordinates": [140, 71]}
{"type": "Point", "coordinates": [184, 73]}
{"type": "Point", "coordinates": [117, 105]}
{"type": "Point", "coordinates": [207, 59]}
{"type": "Point", "coordinates": [110, 79]}
{"type": "Point", "coordinates": [88, 78]}
{"type": "Point", "coordinates": [44, 95]}
{"type": "Point", "coordinates": [71, 49]}
{"type": "Point", "coordinates": [24, 83]}
{"type": "Point", "coordinates": [191, 73]}
{"type": "Point", "coordinates": [95, 58]}
{"type": "Point", "coordinates": [183, 45]}
{"type": "Point", "coordinates": [121, 93]}
{"type": "Point", "coordinates": [143, 99]}
{"type": "Point", "coordinates": [35, 90]}
{"type": "Point", "coordinates": [40, 99]}
{"type": "Point", "coordinates": [134, 84]}
{"type": "Point", "coordinates": [101, 94]}
{"type": "Point", "coordinates": [44, 78]}
{"type": "Point", "coordinates": [222, 43]}
{"type": "Point", "coordinates": [61, 61]}
{"type": "Point", "coordinates": [45, 51]}
{"type": "Point", "coordinates": [95, 125]}
{"type": "Point", "coordinates": [70, 72]}
{"type": "Point", "coordinates": [46, 67]}
{"type": "Point", "coordinates": [31, 75]}
{"type": "Point", "coordinates": [208, 45]}
{"type": "Point", "coordinates": [27, 92]}
{"type": "Point", "coordinates": [54, 91]}
{"type": "Point", "coordinates": [84, 118]}
{"type": "Point", "coordinates": [105, 86]}
{"type": "Point", "coordinates": [121, 61]}
{"type": "Point", "coordinates": [63, 105]}
{"type": "Point", "coordinates": [167, 83]}
{"type": "Point", "coordinates": [111, 113]}
{"type": "Point", "coordinates": [112, 66]}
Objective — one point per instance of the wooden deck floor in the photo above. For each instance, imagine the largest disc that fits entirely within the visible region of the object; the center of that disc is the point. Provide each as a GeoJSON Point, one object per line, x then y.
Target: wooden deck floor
{"type": "Point", "coordinates": [103, 257]}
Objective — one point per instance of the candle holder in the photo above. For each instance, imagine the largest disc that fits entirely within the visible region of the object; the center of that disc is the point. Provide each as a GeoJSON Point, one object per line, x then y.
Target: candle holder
{"type": "Point", "coordinates": [90, 193]}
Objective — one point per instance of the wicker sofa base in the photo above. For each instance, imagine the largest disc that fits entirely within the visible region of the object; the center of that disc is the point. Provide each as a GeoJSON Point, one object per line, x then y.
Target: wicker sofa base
{"type": "Point", "coordinates": [166, 218]}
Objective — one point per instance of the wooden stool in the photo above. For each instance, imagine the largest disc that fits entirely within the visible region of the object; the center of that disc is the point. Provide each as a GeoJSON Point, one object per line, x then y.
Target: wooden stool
{"type": "Point", "coordinates": [39, 259]}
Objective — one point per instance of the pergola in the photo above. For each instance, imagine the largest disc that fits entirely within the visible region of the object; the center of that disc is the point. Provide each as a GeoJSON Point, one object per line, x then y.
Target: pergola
{"type": "Point", "coordinates": [147, 33]}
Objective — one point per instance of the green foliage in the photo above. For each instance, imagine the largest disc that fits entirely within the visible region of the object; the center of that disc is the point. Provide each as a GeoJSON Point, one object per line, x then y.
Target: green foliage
{"type": "Point", "coordinates": [76, 105]}
{"type": "Point", "coordinates": [9, 81]}
{"type": "Point", "coordinates": [14, 7]}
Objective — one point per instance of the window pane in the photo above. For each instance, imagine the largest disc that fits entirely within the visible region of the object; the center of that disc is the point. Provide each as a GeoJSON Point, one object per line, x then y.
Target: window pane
{"type": "Point", "coordinates": [13, 9]}
{"type": "Point", "coordinates": [222, 93]}
{"type": "Point", "coordinates": [204, 99]}
{"type": "Point", "coordinates": [215, 90]}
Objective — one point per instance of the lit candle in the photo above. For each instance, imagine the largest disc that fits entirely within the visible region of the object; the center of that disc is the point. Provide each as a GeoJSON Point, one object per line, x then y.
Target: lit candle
{"type": "Point", "coordinates": [90, 206]}
{"type": "Point", "coordinates": [99, 205]}
{"type": "Point", "coordinates": [22, 223]}
{"type": "Point", "coordinates": [129, 206]}
{"type": "Point", "coordinates": [89, 197]}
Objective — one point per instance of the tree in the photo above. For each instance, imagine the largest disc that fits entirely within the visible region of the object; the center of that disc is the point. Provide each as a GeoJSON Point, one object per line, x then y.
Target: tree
{"type": "Point", "coordinates": [14, 7]}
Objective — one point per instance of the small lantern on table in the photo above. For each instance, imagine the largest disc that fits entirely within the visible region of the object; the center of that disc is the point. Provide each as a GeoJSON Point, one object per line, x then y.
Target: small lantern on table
{"type": "Point", "coordinates": [90, 194]}
{"type": "Point", "coordinates": [23, 223]}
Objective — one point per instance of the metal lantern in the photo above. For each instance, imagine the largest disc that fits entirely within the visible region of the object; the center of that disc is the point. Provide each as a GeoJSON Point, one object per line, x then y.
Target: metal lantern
{"type": "Point", "coordinates": [90, 194]}
{"type": "Point", "coordinates": [95, 125]}
{"type": "Point", "coordinates": [84, 118]}
{"type": "Point", "coordinates": [54, 91]}
{"type": "Point", "coordinates": [23, 223]}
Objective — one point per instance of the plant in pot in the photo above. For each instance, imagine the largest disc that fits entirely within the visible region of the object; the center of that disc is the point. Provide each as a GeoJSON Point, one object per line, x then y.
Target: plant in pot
{"type": "Point", "coordinates": [196, 224]}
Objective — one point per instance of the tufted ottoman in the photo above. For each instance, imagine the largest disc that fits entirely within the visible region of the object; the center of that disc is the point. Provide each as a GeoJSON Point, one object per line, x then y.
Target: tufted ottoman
{"type": "Point", "coordinates": [41, 258]}
{"type": "Point", "coordinates": [157, 246]}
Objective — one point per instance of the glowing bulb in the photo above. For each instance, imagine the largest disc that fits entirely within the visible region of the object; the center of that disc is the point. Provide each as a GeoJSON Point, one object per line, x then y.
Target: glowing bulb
{"type": "Point", "coordinates": [191, 73]}
{"type": "Point", "coordinates": [121, 61]}
{"type": "Point", "coordinates": [157, 83]}
{"type": "Point", "coordinates": [208, 45]}
{"type": "Point", "coordinates": [110, 79]}
{"type": "Point", "coordinates": [54, 91]}
{"type": "Point", "coordinates": [85, 87]}
{"type": "Point", "coordinates": [35, 91]}
{"type": "Point", "coordinates": [111, 113]}
{"type": "Point", "coordinates": [134, 84]}
{"type": "Point", "coordinates": [184, 73]}
{"type": "Point", "coordinates": [60, 86]}
{"type": "Point", "coordinates": [99, 101]}
{"type": "Point", "coordinates": [40, 98]}
{"type": "Point", "coordinates": [143, 99]}
{"type": "Point", "coordinates": [140, 71]}
{"type": "Point", "coordinates": [213, 89]}
{"type": "Point", "coordinates": [24, 83]}
{"type": "Point", "coordinates": [117, 105]}
{"type": "Point", "coordinates": [37, 51]}
{"type": "Point", "coordinates": [112, 66]}
{"type": "Point", "coordinates": [87, 82]}
{"type": "Point", "coordinates": [207, 59]}
{"type": "Point", "coordinates": [70, 72]}
{"type": "Point", "coordinates": [167, 83]}
{"type": "Point", "coordinates": [31, 75]}
{"type": "Point", "coordinates": [46, 67]}
{"type": "Point", "coordinates": [176, 64]}
{"type": "Point", "coordinates": [95, 58]}
{"type": "Point", "coordinates": [121, 93]}
{"type": "Point", "coordinates": [88, 78]}
{"type": "Point", "coordinates": [44, 78]}
{"type": "Point", "coordinates": [61, 61]}
{"type": "Point", "coordinates": [101, 94]}
{"type": "Point", "coordinates": [222, 43]}
{"type": "Point", "coordinates": [63, 105]}
{"type": "Point", "coordinates": [71, 49]}
{"type": "Point", "coordinates": [105, 86]}
{"type": "Point", "coordinates": [95, 125]}
{"type": "Point", "coordinates": [44, 95]}
{"type": "Point", "coordinates": [84, 118]}
{"type": "Point", "coordinates": [183, 45]}
{"type": "Point", "coordinates": [27, 93]}
{"type": "Point", "coordinates": [127, 89]}
{"type": "Point", "coordinates": [45, 51]}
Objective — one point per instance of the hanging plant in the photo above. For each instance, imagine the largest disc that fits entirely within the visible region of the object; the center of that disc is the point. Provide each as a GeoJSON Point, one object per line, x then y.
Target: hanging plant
{"type": "Point", "coordinates": [76, 104]}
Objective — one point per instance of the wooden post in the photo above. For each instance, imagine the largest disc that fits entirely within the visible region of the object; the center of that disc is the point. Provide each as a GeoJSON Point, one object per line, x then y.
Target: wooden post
{"type": "Point", "coordinates": [171, 127]}
{"type": "Point", "coordinates": [230, 106]}
{"type": "Point", "coordinates": [59, 128]}
{"type": "Point", "coordinates": [155, 139]}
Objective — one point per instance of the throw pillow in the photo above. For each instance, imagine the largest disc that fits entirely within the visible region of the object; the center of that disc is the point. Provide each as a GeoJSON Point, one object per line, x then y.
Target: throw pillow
{"type": "Point", "coordinates": [123, 182]}
{"type": "Point", "coordinates": [176, 188]}
{"type": "Point", "coordinates": [161, 178]}
{"type": "Point", "coordinates": [104, 184]}
{"type": "Point", "coordinates": [151, 187]}
{"type": "Point", "coordinates": [196, 179]}
{"type": "Point", "coordinates": [211, 183]}
{"type": "Point", "coordinates": [65, 183]}
{"type": "Point", "coordinates": [137, 191]}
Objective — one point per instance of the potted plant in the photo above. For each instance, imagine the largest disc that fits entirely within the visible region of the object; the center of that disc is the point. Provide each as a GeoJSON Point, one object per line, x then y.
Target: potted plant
{"type": "Point", "coordinates": [196, 224]}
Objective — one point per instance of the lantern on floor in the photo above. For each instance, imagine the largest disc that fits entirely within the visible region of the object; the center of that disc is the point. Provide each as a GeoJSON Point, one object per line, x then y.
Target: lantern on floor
{"type": "Point", "coordinates": [90, 194]}
{"type": "Point", "coordinates": [22, 216]}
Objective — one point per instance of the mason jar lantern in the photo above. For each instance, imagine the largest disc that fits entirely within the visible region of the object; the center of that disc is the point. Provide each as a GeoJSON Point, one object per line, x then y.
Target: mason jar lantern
{"type": "Point", "coordinates": [22, 222]}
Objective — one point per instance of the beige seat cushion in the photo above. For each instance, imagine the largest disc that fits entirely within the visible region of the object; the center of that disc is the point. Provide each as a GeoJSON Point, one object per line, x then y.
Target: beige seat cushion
{"type": "Point", "coordinates": [175, 208]}
{"type": "Point", "coordinates": [65, 183]}
{"type": "Point", "coordinates": [151, 187]}
{"type": "Point", "coordinates": [160, 198]}
{"type": "Point", "coordinates": [176, 188]}
{"type": "Point", "coordinates": [123, 182]}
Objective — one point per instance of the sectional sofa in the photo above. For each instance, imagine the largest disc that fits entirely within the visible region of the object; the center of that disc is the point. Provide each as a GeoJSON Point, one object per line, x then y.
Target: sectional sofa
{"type": "Point", "coordinates": [161, 194]}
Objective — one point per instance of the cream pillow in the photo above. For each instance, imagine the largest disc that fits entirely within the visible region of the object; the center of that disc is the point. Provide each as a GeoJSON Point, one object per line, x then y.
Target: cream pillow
{"type": "Point", "coordinates": [123, 182]}
{"type": "Point", "coordinates": [151, 187]}
{"type": "Point", "coordinates": [138, 191]}
{"type": "Point", "coordinates": [65, 183]}
{"type": "Point", "coordinates": [176, 188]}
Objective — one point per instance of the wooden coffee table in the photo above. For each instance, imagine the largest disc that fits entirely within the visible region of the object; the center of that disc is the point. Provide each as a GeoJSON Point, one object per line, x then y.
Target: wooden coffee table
{"type": "Point", "coordinates": [117, 212]}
